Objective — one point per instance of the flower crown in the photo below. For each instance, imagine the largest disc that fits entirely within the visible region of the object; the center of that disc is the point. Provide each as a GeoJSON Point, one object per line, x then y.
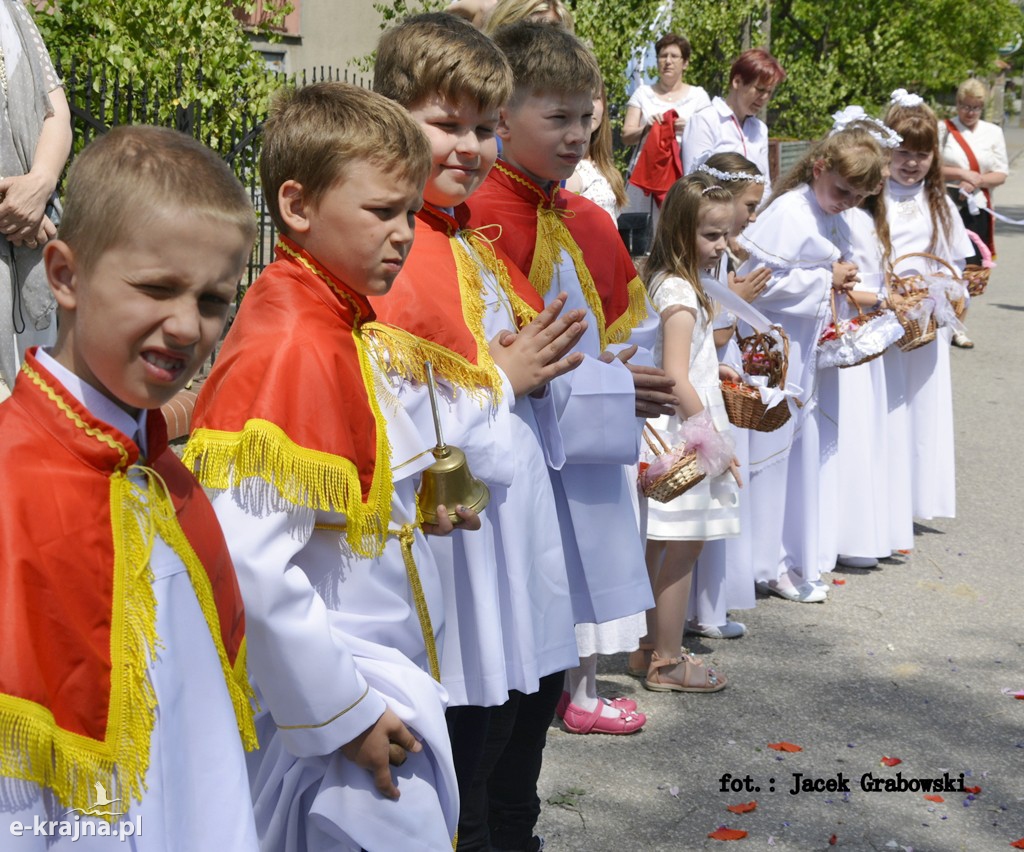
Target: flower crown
{"type": "Point", "coordinates": [884, 135]}
{"type": "Point", "coordinates": [903, 98]}
{"type": "Point", "coordinates": [729, 176]}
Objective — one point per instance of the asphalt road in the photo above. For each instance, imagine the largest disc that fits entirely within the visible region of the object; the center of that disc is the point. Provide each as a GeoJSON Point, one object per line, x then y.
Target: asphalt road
{"type": "Point", "coordinates": [916, 660]}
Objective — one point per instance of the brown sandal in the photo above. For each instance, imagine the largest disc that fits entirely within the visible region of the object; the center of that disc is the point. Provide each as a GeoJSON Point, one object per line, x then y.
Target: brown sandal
{"type": "Point", "coordinates": [696, 676]}
{"type": "Point", "coordinates": [640, 660]}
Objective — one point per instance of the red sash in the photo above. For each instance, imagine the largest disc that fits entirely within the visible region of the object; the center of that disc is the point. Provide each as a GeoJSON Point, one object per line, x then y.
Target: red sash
{"type": "Point", "coordinates": [289, 407]}
{"type": "Point", "coordinates": [77, 611]}
{"type": "Point", "coordinates": [972, 162]}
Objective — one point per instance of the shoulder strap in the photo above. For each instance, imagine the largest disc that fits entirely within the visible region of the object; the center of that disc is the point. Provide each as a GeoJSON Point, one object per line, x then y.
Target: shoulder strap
{"type": "Point", "coordinates": [972, 161]}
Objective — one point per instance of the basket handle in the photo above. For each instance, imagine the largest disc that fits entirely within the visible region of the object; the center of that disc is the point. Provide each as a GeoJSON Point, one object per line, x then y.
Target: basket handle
{"type": "Point", "coordinates": [850, 299]}
{"type": "Point", "coordinates": [650, 430]}
{"type": "Point", "coordinates": [892, 266]}
{"type": "Point", "coordinates": [785, 353]}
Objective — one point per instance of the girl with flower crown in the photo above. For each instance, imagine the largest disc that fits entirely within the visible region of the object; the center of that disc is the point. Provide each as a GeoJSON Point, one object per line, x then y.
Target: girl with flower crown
{"type": "Point", "coordinates": [804, 238]}
{"type": "Point", "coordinates": [723, 578]}
{"type": "Point", "coordinates": [922, 218]}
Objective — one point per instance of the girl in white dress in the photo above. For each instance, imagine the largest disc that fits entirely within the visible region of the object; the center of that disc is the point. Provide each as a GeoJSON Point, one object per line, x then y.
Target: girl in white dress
{"type": "Point", "coordinates": [689, 243]}
{"type": "Point", "coordinates": [804, 238]}
{"type": "Point", "coordinates": [922, 218]}
{"type": "Point", "coordinates": [723, 578]}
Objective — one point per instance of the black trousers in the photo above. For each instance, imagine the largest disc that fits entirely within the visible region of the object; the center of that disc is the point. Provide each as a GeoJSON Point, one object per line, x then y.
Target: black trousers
{"type": "Point", "coordinates": [500, 805]}
{"type": "Point", "coordinates": [981, 223]}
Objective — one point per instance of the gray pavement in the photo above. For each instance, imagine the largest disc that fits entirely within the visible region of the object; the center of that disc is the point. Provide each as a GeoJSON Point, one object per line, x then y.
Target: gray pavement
{"type": "Point", "coordinates": [915, 660]}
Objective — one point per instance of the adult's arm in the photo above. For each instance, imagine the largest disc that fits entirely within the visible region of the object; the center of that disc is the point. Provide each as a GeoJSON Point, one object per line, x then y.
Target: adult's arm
{"type": "Point", "coordinates": [25, 196]}
{"type": "Point", "coordinates": [633, 126]}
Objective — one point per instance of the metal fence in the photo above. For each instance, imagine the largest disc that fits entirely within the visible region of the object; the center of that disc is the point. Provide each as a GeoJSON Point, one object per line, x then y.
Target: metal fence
{"type": "Point", "coordinates": [99, 101]}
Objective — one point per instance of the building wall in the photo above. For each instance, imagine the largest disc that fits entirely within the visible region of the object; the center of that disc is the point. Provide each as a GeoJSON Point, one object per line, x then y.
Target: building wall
{"type": "Point", "coordinates": [324, 33]}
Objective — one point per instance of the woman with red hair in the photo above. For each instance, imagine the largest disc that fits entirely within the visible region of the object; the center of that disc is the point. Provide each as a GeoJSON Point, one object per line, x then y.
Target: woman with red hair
{"type": "Point", "coordinates": [731, 123]}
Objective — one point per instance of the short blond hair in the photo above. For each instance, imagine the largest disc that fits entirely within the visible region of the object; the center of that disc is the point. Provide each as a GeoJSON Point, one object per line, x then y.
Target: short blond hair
{"type": "Point", "coordinates": [441, 54]}
{"type": "Point", "coordinates": [547, 59]}
{"type": "Point", "coordinates": [316, 133]}
{"type": "Point", "coordinates": [513, 11]}
{"type": "Point", "coordinates": [973, 87]}
{"type": "Point", "coordinates": [134, 173]}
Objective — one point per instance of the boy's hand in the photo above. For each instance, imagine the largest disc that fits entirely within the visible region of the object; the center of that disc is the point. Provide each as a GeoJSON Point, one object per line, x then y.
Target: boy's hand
{"type": "Point", "coordinates": [653, 386]}
{"type": "Point", "coordinates": [537, 354]}
{"type": "Point", "coordinates": [749, 287]}
{"type": "Point", "coordinates": [468, 520]}
{"type": "Point", "coordinates": [372, 750]}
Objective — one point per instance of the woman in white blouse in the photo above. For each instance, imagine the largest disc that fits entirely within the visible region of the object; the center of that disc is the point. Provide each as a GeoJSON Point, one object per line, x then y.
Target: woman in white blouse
{"type": "Point", "coordinates": [974, 162]}
{"type": "Point", "coordinates": [648, 104]}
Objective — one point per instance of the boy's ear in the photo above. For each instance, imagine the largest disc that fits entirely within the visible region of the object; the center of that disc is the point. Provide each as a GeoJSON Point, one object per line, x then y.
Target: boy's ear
{"type": "Point", "coordinates": [62, 273]}
{"type": "Point", "coordinates": [502, 128]}
{"type": "Point", "coordinates": [294, 206]}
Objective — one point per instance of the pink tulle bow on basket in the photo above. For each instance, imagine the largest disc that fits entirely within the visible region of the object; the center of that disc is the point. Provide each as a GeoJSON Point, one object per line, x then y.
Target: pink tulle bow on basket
{"type": "Point", "coordinates": [715, 450]}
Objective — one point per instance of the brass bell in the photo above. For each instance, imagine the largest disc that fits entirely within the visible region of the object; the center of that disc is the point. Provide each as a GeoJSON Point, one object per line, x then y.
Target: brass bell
{"type": "Point", "coordinates": [448, 480]}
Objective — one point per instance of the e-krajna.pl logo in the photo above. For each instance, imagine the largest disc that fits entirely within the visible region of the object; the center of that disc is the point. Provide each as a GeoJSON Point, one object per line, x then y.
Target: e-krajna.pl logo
{"type": "Point", "coordinates": [72, 825]}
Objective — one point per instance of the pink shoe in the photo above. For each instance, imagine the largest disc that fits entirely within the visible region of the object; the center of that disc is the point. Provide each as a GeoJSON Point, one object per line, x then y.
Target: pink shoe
{"type": "Point", "coordinates": [621, 703]}
{"type": "Point", "coordinates": [579, 721]}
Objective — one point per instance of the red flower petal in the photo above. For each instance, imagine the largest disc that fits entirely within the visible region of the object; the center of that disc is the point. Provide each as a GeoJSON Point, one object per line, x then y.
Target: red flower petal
{"type": "Point", "coordinates": [724, 833]}
{"type": "Point", "coordinates": [1018, 844]}
{"type": "Point", "coordinates": [832, 840]}
{"type": "Point", "coordinates": [784, 746]}
{"type": "Point", "coordinates": [1019, 695]}
{"type": "Point", "coordinates": [839, 582]}
{"type": "Point", "coordinates": [974, 790]}
{"type": "Point", "coordinates": [935, 798]}
{"type": "Point", "coordinates": [745, 808]}
{"type": "Point", "coordinates": [891, 761]}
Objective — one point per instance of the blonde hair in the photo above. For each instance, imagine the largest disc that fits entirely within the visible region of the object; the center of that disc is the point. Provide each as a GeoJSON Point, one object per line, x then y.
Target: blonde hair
{"type": "Point", "coordinates": [919, 128]}
{"type": "Point", "coordinates": [314, 134]}
{"type": "Point", "coordinates": [545, 58]}
{"type": "Point", "coordinates": [441, 54]}
{"type": "Point", "coordinates": [674, 249]}
{"type": "Point", "coordinates": [972, 87]}
{"type": "Point", "coordinates": [513, 11]}
{"type": "Point", "coordinates": [134, 173]}
{"type": "Point", "coordinates": [853, 154]}
{"type": "Point", "coordinates": [600, 151]}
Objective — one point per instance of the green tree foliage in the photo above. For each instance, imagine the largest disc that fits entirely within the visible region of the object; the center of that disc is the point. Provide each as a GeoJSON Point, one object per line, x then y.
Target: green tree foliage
{"type": "Point", "coordinates": [836, 52]}
{"type": "Point", "coordinates": [182, 51]}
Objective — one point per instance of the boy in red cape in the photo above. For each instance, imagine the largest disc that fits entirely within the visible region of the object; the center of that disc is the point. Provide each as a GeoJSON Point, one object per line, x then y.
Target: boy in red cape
{"type": "Point", "coordinates": [123, 687]}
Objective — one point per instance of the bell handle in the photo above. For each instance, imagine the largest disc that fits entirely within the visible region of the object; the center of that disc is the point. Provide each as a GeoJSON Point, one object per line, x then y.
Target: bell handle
{"type": "Point", "coordinates": [433, 404]}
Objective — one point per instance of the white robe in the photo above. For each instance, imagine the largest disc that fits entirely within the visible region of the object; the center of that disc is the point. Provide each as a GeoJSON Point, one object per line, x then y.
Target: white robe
{"type": "Point", "coordinates": [929, 390]}
{"type": "Point", "coordinates": [333, 640]}
{"type": "Point", "coordinates": [508, 609]}
{"type": "Point", "coordinates": [197, 792]}
{"type": "Point", "coordinates": [870, 501]}
{"type": "Point", "coordinates": [798, 242]}
{"type": "Point", "coordinates": [596, 409]}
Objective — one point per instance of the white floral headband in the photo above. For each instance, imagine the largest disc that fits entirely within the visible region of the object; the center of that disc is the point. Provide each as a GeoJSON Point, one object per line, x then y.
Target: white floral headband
{"type": "Point", "coordinates": [729, 176]}
{"type": "Point", "coordinates": [903, 98]}
{"type": "Point", "coordinates": [884, 135]}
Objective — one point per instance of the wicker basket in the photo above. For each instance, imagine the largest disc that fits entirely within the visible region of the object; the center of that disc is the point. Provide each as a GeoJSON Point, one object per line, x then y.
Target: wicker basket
{"type": "Point", "coordinates": [832, 339]}
{"type": "Point", "coordinates": [746, 410]}
{"type": "Point", "coordinates": [905, 293]}
{"type": "Point", "coordinates": [678, 479]}
{"type": "Point", "coordinates": [976, 278]}
{"type": "Point", "coordinates": [766, 354]}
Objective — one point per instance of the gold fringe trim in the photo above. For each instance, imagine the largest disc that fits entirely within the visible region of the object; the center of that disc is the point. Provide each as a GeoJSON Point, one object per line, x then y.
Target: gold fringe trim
{"type": "Point", "coordinates": [522, 311]}
{"type": "Point", "coordinates": [33, 747]}
{"type": "Point", "coordinates": [552, 237]}
{"type": "Point", "coordinates": [236, 677]}
{"type": "Point", "coordinates": [405, 353]}
{"type": "Point", "coordinates": [299, 476]}
{"type": "Point", "coordinates": [636, 312]}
